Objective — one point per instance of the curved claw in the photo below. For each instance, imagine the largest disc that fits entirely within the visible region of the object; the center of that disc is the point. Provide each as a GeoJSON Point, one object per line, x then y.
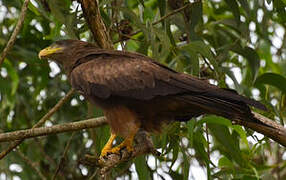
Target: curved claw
{"type": "Point", "coordinates": [108, 146]}
{"type": "Point", "coordinates": [127, 143]}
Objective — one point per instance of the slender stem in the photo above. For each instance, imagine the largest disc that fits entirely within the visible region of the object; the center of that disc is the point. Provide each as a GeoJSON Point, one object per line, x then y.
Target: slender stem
{"type": "Point", "coordinates": [208, 151]}
{"type": "Point", "coordinates": [160, 20]}
{"type": "Point", "coordinates": [15, 32]}
{"type": "Point", "coordinates": [63, 158]}
{"type": "Point", "coordinates": [32, 165]}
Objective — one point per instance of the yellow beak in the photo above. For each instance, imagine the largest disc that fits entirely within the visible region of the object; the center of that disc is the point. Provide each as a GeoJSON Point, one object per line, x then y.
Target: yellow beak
{"type": "Point", "coordinates": [48, 51]}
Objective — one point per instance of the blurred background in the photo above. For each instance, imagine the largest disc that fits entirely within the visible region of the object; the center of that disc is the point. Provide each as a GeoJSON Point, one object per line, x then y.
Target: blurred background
{"type": "Point", "coordinates": [238, 44]}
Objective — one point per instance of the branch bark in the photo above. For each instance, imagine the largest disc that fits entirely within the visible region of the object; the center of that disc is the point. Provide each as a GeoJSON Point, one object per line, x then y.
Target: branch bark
{"type": "Point", "coordinates": [273, 130]}
{"type": "Point", "coordinates": [143, 145]}
{"type": "Point", "coordinates": [15, 32]}
{"type": "Point", "coordinates": [94, 20]}
{"type": "Point", "coordinates": [44, 131]}
{"type": "Point", "coordinates": [40, 123]}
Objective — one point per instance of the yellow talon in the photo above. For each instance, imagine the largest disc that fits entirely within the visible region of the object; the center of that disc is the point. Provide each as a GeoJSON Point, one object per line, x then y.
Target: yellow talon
{"type": "Point", "coordinates": [128, 143]}
{"type": "Point", "coordinates": [108, 146]}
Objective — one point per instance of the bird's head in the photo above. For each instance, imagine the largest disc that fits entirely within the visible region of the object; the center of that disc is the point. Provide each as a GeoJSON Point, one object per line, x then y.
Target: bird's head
{"type": "Point", "coordinates": [65, 52]}
{"type": "Point", "coordinates": [59, 50]}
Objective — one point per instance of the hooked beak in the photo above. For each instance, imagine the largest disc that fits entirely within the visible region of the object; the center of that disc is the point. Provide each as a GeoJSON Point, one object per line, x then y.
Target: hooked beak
{"type": "Point", "coordinates": [45, 53]}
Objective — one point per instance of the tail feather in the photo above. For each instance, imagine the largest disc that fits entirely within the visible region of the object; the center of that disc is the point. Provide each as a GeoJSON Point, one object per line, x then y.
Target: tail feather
{"type": "Point", "coordinates": [220, 107]}
{"type": "Point", "coordinates": [231, 95]}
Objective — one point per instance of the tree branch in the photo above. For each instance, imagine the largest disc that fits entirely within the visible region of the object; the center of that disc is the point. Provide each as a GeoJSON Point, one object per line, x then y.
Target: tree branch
{"type": "Point", "coordinates": [273, 129]}
{"type": "Point", "coordinates": [143, 145]}
{"type": "Point", "coordinates": [15, 32]}
{"type": "Point", "coordinates": [40, 123]}
{"type": "Point", "coordinates": [129, 36]}
{"type": "Point", "coordinates": [172, 13]}
{"type": "Point", "coordinates": [44, 131]}
{"type": "Point", "coordinates": [94, 20]}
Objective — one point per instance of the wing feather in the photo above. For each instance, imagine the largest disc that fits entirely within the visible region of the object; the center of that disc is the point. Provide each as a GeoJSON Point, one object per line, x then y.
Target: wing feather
{"type": "Point", "coordinates": [123, 76]}
{"type": "Point", "coordinates": [117, 73]}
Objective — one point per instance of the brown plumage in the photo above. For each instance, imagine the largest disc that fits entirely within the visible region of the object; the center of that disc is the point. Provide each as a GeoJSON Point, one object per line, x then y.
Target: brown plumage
{"type": "Point", "coordinates": [135, 91]}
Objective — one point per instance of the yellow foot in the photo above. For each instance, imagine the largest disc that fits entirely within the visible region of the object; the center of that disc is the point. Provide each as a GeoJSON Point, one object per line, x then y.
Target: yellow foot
{"type": "Point", "coordinates": [116, 150]}
{"type": "Point", "coordinates": [127, 143]}
{"type": "Point", "coordinates": [105, 152]}
{"type": "Point", "coordinates": [124, 144]}
{"type": "Point", "coordinates": [108, 146]}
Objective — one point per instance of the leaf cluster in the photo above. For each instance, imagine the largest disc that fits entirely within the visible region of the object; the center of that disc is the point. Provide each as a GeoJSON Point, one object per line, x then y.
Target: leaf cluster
{"type": "Point", "coordinates": [236, 44]}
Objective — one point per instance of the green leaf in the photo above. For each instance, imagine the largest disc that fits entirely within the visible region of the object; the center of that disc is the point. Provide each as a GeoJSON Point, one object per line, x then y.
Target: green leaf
{"type": "Point", "coordinates": [199, 145]}
{"type": "Point", "coordinates": [245, 6]}
{"type": "Point", "coordinates": [212, 119]}
{"type": "Point", "coordinates": [142, 168]}
{"type": "Point", "coordinates": [203, 49]}
{"type": "Point", "coordinates": [13, 75]}
{"type": "Point", "coordinates": [242, 134]}
{"type": "Point", "coordinates": [190, 62]}
{"type": "Point", "coordinates": [191, 127]}
{"type": "Point", "coordinates": [164, 42]}
{"type": "Point", "coordinates": [60, 10]}
{"type": "Point", "coordinates": [195, 15]}
{"type": "Point", "coordinates": [222, 134]}
{"type": "Point", "coordinates": [234, 8]}
{"type": "Point", "coordinates": [129, 14]}
{"type": "Point", "coordinates": [232, 76]}
{"type": "Point", "coordinates": [224, 162]}
{"type": "Point", "coordinates": [252, 57]}
{"type": "Point", "coordinates": [186, 166]}
{"type": "Point", "coordinates": [34, 9]}
{"type": "Point", "coordinates": [272, 79]}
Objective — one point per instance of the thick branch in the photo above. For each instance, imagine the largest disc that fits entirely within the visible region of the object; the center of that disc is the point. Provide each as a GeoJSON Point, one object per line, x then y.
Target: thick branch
{"type": "Point", "coordinates": [94, 20]}
{"type": "Point", "coordinates": [40, 123]}
{"type": "Point", "coordinates": [273, 130]}
{"type": "Point", "coordinates": [143, 145]}
{"type": "Point", "coordinates": [43, 131]}
{"type": "Point", "coordinates": [15, 32]}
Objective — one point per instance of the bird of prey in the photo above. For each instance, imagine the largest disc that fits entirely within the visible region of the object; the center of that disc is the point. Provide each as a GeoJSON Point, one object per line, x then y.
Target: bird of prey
{"type": "Point", "coordinates": [134, 91]}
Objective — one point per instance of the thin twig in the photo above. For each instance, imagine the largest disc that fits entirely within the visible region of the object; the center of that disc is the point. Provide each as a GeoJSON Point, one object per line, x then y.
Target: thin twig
{"type": "Point", "coordinates": [63, 158]}
{"type": "Point", "coordinates": [172, 13]}
{"type": "Point", "coordinates": [60, 128]}
{"type": "Point", "coordinates": [32, 164]}
{"type": "Point", "coordinates": [208, 64]}
{"type": "Point", "coordinates": [208, 151]}
{"type": "Point", "coordinates": [40, 123]}
{"type": "Point", "coordinates": [41, 148]}
{"type": "Point", "coordinates": [15, 32]}
{"type": "Point", "coordinates": [54, 109]}
{"type": "Point", "coordinates": [158, 21]}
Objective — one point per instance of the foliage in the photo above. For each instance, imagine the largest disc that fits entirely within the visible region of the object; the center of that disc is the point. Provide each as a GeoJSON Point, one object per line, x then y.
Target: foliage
{"type": "Point", "coordinates": [235, 43]}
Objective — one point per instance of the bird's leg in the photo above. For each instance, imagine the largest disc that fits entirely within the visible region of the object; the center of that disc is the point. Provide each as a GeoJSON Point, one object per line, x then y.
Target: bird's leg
{"type": "Point", "coordinates": [108, 146]}
{"type": "Point", "coordinates": [128, 142]}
